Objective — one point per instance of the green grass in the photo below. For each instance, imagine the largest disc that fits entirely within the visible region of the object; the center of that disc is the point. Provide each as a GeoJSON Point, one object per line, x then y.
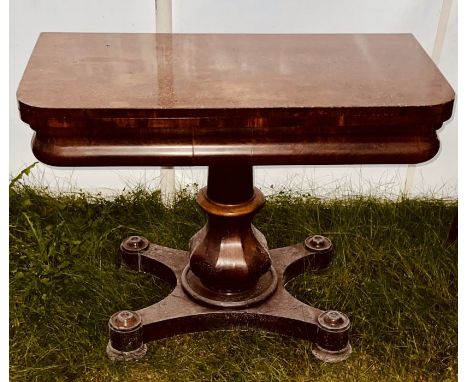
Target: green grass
{"type": "Point", "coordinates": [393, 274]}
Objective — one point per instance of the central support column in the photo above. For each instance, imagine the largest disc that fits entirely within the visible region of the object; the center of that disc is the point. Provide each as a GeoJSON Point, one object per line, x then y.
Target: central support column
{"type": "Point", "coordinates": [230, 184]}
{"type": "Point", "coordinates": [230, 265]}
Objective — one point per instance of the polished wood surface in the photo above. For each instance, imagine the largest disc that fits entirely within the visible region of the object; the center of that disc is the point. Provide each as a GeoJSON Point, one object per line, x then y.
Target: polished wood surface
{"type": "Point", "coordinates": [199, 99]}
{"type": "Point", "coordinates": [231, 102]}
{"type": "Point", "coordinates": [200, 71]}
{"type": "Point", "coordinates": [229, 253]}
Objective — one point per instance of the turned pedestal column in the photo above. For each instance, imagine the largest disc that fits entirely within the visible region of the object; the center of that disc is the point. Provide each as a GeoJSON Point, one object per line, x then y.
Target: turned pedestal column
{"type": "Point", "coordinates": [230, 265]}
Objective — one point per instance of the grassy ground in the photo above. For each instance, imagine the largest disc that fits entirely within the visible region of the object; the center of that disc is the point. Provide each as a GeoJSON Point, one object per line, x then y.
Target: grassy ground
{"type": "Point", "coordinates": [393, 274]}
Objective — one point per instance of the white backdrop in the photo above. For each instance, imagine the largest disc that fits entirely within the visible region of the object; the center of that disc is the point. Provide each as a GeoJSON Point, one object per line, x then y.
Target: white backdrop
{"type": "Point", "coordinates": [421, 17]}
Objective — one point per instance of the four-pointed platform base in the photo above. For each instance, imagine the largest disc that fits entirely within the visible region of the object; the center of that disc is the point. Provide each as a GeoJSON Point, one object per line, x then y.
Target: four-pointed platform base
{"type": "Point", "coordinates": [229, 278]}
{"type": "Point", "coordinates": [181, 313]}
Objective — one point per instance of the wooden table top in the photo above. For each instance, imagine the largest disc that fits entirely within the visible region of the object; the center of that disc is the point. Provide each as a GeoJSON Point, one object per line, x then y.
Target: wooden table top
{"type": "Point", "coordinates": [197, 98]}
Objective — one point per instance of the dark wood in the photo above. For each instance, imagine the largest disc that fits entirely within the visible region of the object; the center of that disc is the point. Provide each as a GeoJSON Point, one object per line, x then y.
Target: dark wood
{"type": "Point", "coordinates": [281, 313]}
{"type": "Point", "coordinates": [230, 184]}
{"type": "Point", "coordinates": [229, 253]}
{"type": "Point", "coordinates": [147, 99]}
{"type": "Point", "coordinates": [231, 102]}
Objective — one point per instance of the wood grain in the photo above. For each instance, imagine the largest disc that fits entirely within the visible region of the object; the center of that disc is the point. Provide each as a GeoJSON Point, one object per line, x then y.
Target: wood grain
{"type": "Point", "coordinates": [198, 99]}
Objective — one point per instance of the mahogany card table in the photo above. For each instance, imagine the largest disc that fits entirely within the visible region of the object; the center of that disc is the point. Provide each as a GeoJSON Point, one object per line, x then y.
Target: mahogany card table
{"type": "Point", "coordinates": [231, 102]}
